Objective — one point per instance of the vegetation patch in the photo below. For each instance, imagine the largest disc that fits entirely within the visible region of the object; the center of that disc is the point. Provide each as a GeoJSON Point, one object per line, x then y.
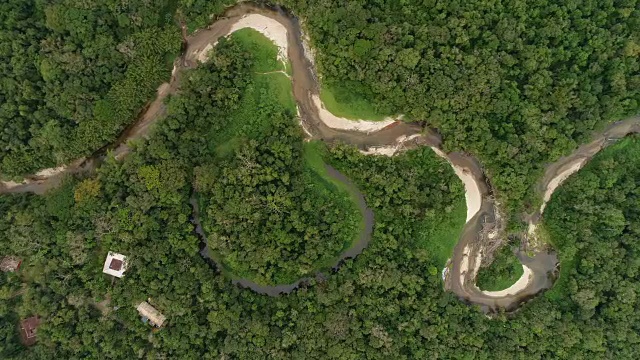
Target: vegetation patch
{"type": "Point", "coordinates": [416, 191]}
{"type": "Point", "coordinates": [84, 74]}
{"type": "Point", "coordinates": [264, 52]}
{"type": "Point", "coordinates": [350, 100]}
{"type": "Point", "coordinates": [508, 92]}
{"type": "Point", "coordinates": [270, 211]}
{"type": "Point", "coordinates": [592, 220]}
{"type": "Point", "coordinates": [503, 272]}
{"type": "Point", "coordinates": [440, 231]}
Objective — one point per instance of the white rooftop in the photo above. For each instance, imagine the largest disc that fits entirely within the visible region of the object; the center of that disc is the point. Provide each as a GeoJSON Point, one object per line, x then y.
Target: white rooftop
{"type": "Point", "coordinates": [115, 264]}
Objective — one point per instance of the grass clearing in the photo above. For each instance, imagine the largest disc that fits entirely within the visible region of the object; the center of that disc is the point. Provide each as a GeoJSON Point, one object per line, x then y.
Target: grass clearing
{"type": "Point", "coordinates": [266, 92]}
{"type": "Point", "coordinates": [440, 233]}
{"type": "Point", "coordinates": [263, 50]}
{"type": "Point", "coordinates": [349, 100]}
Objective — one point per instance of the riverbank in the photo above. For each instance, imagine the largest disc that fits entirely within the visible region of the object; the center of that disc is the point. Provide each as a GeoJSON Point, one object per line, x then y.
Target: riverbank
{"type": "Point", "coordinates": [481, 208]}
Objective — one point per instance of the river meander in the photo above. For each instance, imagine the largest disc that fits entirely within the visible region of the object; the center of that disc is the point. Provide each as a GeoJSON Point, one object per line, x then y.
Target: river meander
{"type": "Point", "coordinates": [483, 216]}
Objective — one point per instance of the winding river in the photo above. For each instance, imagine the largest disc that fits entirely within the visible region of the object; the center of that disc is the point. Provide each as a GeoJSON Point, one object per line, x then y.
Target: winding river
{"type": "Point", "coordinates": [273, 290]}
{"type": "Point", "coordinates": [484, 225]}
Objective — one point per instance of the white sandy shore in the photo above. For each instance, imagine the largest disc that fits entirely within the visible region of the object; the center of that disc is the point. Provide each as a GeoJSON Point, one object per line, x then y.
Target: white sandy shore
{"type": "Point", "coordinates": [389, 150]}
{"type": "Point", "coordinates": [309, 52]}
{"type": "Point", "coordinates": [518, 286]}
{"type": "Point", "coordinates": [10, 184]}
{"type": "Point", "coordinates": [558, 180]}
{"type": "Point", "coordinates": [464, 265]}
{"type": "Point", "coordinates": [304, 128]}
{"type": "Point", "coordinates": [277, 33]}
{"type": "Point", "coordinates": [471, 189]}
{"type": "Point", "coordinates": [268, 27]}
{"type": "Point", "coordinates": [340, 123]}
{"type": "Point", "coordinates": [551, 188]}
{"type": "Point", "coordinates": [203, 55]}
{"type": "Point", "coordinates": [45, 173]}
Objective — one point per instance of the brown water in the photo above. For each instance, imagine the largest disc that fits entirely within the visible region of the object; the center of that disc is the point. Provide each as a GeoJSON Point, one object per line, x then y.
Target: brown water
{"type": "Point", "coordinates": [305, 85]}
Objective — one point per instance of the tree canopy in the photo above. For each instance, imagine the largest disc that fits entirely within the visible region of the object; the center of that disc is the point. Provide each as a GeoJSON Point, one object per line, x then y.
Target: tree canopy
{"type": "Point", "coordinates": [517, 83]}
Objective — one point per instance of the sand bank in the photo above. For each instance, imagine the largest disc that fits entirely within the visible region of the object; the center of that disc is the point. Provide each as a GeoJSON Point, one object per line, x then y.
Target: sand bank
{"type": "Point", "coordinates": [472, 192]}
{"type": "Point", "coordinates": [336, 122]}
{"type": "Point", "coordinates": [268, 27]}
{"type": "Point", "coordinates": [518, 286]}
{"type": "Point", "coordinates": [558, 180]}
{"type": "Point", "coordinates": [390, 150]}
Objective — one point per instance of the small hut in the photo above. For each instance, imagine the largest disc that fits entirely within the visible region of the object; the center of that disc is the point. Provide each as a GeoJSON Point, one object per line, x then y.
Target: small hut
{"type": "Point", "coordinates": [10, 263]}
{"type": "Point", "coordinates": [28, 329]}
{"type": "Point", "coordinates": [150, 314]}
{"type": "Point", "coordinates": [115, 264]}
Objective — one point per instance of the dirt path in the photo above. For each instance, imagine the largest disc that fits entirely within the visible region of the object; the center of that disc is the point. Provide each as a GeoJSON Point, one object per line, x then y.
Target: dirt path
{"type": "Point", "coordinates": [483, 219]}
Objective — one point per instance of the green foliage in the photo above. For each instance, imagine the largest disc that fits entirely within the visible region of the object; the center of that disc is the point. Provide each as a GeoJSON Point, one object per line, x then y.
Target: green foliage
{"type": "Point", "coordinates": [263, 51]}
{"type": "Point", "coordinates": [270, 211]}
{"type": "Point", "coordinates": [389, 302]}
{"type": "Point", "coordinates": [515, 83]}
{"type": "Point", "coordinates": [592, 220]}
{"type": "Point", "coordinates": [267, 217]}
{"type": "Point", "coordinates": [503, 272]}
{"type": "Point", "coordinates": [349, 100]}
{"type": "Point", "coordinates": [198, 13]}
{"type": "Point", "coordinates": [415, 197]}
{"type": "Point", "coordinates": [74, 75]}
{"type": "Point", "coordinates": [440, 233]}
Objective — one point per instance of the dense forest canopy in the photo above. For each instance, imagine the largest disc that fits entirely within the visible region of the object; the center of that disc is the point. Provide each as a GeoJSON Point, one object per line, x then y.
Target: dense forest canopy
{"type": "Point", "coordinates": [75, 74]}
{"type": "Point", "coordinates": [269, 211]}
{"type": "Point", "coordinates": [516, 83]}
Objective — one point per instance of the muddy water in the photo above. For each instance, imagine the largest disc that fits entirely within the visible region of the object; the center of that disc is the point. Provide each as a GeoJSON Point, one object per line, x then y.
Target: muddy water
{"type": "Point", "coordinates": [273, 290]}
{"type": "Point", "coordinates": [471, 247]}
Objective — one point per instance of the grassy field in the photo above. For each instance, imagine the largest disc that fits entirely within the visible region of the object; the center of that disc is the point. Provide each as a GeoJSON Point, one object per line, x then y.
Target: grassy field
{"type": "Point", "coordinates": [263, 50]}
{"type": "Point", "coordinates": [271, 90]}
{"type": "Point", "coordinates": [503, 272]}
{"type": "Point", "coordinates": [349, 102]}
{"type": "Point", "coordinates": [440, 235]}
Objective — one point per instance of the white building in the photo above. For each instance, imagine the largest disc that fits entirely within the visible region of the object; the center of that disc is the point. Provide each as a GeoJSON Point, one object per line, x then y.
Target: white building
{"type": "Point", "coordinates": [115, 265]}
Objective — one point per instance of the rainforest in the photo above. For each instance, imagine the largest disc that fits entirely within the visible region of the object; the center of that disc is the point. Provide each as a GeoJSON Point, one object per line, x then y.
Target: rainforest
{"type": "Point", "coordinates": [319, 179]}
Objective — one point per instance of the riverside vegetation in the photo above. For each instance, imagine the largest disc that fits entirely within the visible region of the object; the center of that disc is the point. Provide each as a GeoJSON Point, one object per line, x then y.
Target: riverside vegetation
{"type": "Point", "coordinates": [505, 270]}
{"type": "Point", "coordinates": [139, 207]}
{"type": "Point", "coordinates": [271, 213]}
{"type": "Point", "coordinates": [73, 76]}
{"type": "Point", "coordinates": [389, 302]}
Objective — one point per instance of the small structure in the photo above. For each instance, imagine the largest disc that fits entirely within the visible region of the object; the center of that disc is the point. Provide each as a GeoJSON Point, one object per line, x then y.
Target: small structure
{"type": "Point", "coordinates": [10, 264]}
{"type": "Point", "coordinates": [115, 264]}
{"type": "Point", "coordinates": [150, 314]}
{"type": "Point", "coordinates": [28, 329]}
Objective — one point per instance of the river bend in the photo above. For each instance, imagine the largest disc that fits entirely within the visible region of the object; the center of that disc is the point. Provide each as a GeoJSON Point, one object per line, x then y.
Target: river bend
{"type": "Point", "coordinates": [484, 225]}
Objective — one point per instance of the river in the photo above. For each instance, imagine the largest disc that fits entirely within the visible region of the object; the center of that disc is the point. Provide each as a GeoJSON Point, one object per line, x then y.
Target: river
{"type": "Point", "coordinates": [484, 222]}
